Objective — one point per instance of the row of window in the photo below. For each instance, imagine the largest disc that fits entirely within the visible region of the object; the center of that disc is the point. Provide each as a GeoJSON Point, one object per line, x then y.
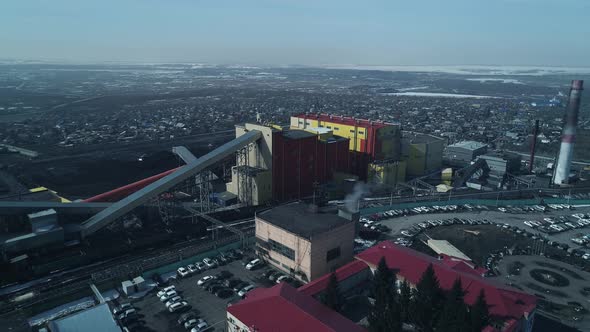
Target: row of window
{"type": "Point", "coordinates": [281, 249]}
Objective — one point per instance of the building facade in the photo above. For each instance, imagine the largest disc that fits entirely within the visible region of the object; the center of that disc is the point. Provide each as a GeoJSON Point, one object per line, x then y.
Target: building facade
{"type": "Point", "coordinates": [422, 153]}
{"type": "Point", "coordinates": [303, 242]}
{"type": "Point", "coordinates": [462, 153]}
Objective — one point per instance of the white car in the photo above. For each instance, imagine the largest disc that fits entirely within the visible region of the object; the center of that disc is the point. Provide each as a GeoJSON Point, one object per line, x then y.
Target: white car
{"type": "Point", "coordinates": [166, 290]}
{"type": "Point", "coordinates": [191, 323]}
{"type": "Point", "coordinates": [586, 256]}
{"type": "Point", "coordinates": [282, 278]}
{"type": "Point", "coordinates": [209, 263]}
{"type": "Point", "coordinates": [204, 280]}
{"type": "Point", "coordinates": [177, 306]}
{"type": "Point", "coordinates": [501, 209]}
{"type": "Point", "coordinates": [183, 272]}
{"type": "Point", "coordinates": [253, 264]}
{"type": "Point", "coordinates": [168, 296]}
{"type": "Point", "coordinates": [529, 223]}
{"type": "Point", "coordinates": [172, 301]}
{"type": "Point", "coordinates": [245, 290]}
{"type": "Point", "coordinates": [201, 326]}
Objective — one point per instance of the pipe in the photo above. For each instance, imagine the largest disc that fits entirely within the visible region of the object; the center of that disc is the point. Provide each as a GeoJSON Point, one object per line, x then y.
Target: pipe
{"type": "Point", "coordinates": [534, 145]}
{"type": "Point", "coordinates": [568, 137]}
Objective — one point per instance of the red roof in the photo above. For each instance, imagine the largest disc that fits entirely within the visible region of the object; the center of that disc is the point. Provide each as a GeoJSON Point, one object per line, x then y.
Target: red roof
{"type": "Point", "coordinates": [462, 265]}
{"type": "Point", "coordinates": [504, 301]}
{"type": "Point", "coordinates": [342, 273]}
{"type": "Point", "coordinates": [283, 308]}
{"type": "Point", "coordinates": [345, 120]}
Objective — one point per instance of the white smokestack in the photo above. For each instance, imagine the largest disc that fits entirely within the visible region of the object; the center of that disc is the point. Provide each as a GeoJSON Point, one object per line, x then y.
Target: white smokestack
{"type": "Point", "coordinates": [568, 137]}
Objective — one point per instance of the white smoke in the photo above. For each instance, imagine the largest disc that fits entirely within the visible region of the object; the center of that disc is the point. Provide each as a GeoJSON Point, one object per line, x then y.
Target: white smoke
{"type": "Point", "coordinates": [352, 200]}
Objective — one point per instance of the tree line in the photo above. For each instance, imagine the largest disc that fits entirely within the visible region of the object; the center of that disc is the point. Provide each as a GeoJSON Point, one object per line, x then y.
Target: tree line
{"type": "Point", "coordinates": [427, 306]}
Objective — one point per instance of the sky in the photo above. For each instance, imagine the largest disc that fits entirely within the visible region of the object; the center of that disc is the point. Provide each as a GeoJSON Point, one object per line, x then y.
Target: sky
{"type": "Point", "coordinates": [299, 32]}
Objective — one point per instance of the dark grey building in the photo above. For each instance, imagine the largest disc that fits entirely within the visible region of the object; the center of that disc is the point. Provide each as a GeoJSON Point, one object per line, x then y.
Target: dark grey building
{"type": "Point", "coordinates": [462, 153]}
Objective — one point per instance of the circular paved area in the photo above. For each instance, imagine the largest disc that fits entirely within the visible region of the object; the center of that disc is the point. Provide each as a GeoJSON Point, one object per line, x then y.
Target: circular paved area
{"type": "Point", "coordinates": [553, 280]}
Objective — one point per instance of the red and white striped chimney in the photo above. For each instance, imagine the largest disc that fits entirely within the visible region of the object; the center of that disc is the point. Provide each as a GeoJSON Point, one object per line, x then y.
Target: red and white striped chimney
{"type": "Point", "coordinates": [568, 136]}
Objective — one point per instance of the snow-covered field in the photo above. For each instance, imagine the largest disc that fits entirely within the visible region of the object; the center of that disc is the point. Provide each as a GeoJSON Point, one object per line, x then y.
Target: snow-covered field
{"type": "Point", "coordinates": [436, 94]}
{"type": "Point", "coordinates": [475, 70]}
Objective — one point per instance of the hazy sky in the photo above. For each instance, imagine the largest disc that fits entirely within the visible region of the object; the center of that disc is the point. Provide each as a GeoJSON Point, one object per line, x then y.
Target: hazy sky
{"type": "Point", "coordinates": [311, 32]}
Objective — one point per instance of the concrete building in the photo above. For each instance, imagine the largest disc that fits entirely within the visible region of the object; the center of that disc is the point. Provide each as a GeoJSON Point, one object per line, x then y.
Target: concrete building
{"type": "Point", "coordinates": [302, 241]}
{"type": "Point", "coordinates": [421, 152]}
{"type": "Point", "coordinates": [462, 153]}
{"type": "Point", "coordinates": [501, 164]}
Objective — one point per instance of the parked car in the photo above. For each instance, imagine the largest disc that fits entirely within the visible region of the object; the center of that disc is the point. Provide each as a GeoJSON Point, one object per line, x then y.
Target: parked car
{"type": "Point", "coordinates": [205, 280]}
{"type": "Point", "coordinates": [173, 300]}
{"type": "Point", "coordinates": [192, 269]}
{"type": "Point", "coordinates": [186, 316]}
{"type": "Point", "coordinates": [239, 286]}
{"type": "Point", "coordinates": [284, 278]}
{"type": "Point", "coordinates": [245, 290]}
{"type": "Point", "coordinates": [201, 326]}
{"type": "Point", "coordinates": [179, 306]}
{"type": "Point", "coordinates": [254, 264]}
{"type": "Point", "coordinates": [122, 308]}
{"type": "Point", "coordinates": [224, 293]}
{"type": "Point", "coordinates": [209, 263]}
{"type": "Point", "coordinates": [166, 290]}
{"type": "Point", "coordinates": [168, 296]}
{"type": "Point", "coordinates": [182, 272]}
{"type": "Point", "coordinates": [231, 282]}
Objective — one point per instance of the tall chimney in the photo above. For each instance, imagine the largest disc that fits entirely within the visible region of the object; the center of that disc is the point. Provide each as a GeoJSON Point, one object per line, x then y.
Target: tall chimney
{"type": "Point", "coordinates": [568, 137]}
{"type": "Point", "coordinates": [534, 145]}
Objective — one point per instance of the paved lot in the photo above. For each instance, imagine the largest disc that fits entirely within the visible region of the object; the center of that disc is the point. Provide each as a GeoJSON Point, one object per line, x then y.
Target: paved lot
{"type": "Point", "coordinates": [399, 223]}
{"type": "Point", "coordinates": [206, 305]}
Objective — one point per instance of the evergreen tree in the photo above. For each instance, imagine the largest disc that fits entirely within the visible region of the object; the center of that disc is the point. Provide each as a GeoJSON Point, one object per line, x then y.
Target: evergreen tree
{"type": "Point", "coordinates": [405, 297]}
{"type": "Point", "coordinates": [454, 317]}
{"type": "Point", "coordinates": [332, 298]}
{"type": "Point", "coordinates": [384, 314]}
{"type": "Point", "coordinates": [427, 301]}
{"type": "Point", "coordinates": [480, 314]}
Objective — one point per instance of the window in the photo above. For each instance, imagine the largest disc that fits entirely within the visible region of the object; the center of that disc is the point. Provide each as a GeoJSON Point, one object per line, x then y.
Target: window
{"type": "Point", "coordinates": [333, 254]}
{"type": "Point", "coordinates": [361, 132]}
{"type": "Point", "coordinates": [335, 128]}
{"type": "Point", "coordinates": [352, 131]}
{"type": "Point", "coordinates": [282, 249]}
{"type": "Point", "coordinates": [329, 127]}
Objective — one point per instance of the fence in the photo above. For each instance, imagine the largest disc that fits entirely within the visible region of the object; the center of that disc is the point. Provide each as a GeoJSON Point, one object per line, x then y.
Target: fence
{"type": "Point", "coordinates": [487, 202]}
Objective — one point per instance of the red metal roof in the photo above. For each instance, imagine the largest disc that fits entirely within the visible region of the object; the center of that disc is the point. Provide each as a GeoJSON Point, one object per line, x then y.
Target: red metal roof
{"type": "Point", "coordinates": [504, 301]}
{"type": "Point", "coordinates": [283, 308]}
{"type": "Point", "coordinates": [345, 120]}
{"type": "Point", "coordinates": [122, 192]}
{"type": "Point", "coordinates": [342, 273]}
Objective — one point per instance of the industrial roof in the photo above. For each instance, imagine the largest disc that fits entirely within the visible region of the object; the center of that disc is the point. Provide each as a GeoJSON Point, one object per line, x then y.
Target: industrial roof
{"type": "Point", "coordinates": [283, 308]}
{"type": "Point", "coordinates": [297, 134]}
{"type": "Point", "coordinates": [342, 273]}
{"type": "Point", "coordinates": [345, 120]}
{"type": "Point", "coordinates": [418, 138]}
{"type": "Point", "coordinates": [297, 218]}
{"type": "Point", "coordinates": [97, 319]}
{"type": "Point", "coordinates": [504, 301]}
{"type": "Point", "coordinates": [470, 145]}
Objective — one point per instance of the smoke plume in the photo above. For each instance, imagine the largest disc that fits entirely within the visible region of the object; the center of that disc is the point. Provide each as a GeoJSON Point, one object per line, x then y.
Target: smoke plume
{"type": "Point", "coordinates": [352, 199]}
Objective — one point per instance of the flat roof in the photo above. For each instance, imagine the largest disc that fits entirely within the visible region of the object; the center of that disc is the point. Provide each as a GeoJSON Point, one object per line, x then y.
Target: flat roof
{"type": "Point", "coordinates": [470, 145]}
{"type": "Point", "coordinates": [297, 218]}
{"type": "Point", "coordinates": [417, 138]}
{"type": "Point", "coordinates": [97, 319]}
{"type": "Point", "coordinates": [297, 134]}
{"type": "Point", "coordinates": [346, 120]}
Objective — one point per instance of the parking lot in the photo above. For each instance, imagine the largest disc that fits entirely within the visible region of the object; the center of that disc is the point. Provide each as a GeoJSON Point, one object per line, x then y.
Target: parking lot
{"type": "Point", "coordinates": [154, 316]}
{"type": "Point", "coordinates": [397, 224]}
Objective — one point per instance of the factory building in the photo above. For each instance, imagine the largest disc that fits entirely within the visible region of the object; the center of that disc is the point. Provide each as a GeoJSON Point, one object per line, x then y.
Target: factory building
{"type": "Point", "coordinates": [375, 146]}
{"type": "Point", "coordinates": [380, 140]}
{"type": "Point", "coordinates": [501, 164]}
{"type": "Point", "coordinates": [462, 153]}
{"type": "Point", "coordinates": [422, 153]}
{"type": "Point", "coordinates": [303, 241]}
{"type": "Point", "coordinates": [287, 163]}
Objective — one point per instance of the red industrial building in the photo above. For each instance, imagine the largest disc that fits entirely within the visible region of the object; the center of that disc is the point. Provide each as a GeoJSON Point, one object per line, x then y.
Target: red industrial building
{"type": "Point", "coordinates": [301, 160]}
